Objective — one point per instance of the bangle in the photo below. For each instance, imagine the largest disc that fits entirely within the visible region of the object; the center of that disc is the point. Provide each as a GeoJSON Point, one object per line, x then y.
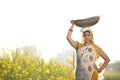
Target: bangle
{"type": "Point", "coordinates": [71, 30]}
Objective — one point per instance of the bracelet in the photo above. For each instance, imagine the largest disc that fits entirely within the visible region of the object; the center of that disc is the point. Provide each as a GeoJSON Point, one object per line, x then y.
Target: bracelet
{"type": "Point", "coordinates": [71, 30]}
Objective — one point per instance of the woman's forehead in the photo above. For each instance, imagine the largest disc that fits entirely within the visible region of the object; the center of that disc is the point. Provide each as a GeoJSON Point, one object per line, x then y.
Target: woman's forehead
{"type": "Point", "coordinates": [88, 32]}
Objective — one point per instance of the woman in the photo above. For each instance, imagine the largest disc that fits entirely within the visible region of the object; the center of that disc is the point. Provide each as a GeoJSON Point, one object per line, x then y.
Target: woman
{"type": "Point", "coordinates": [87, 54]}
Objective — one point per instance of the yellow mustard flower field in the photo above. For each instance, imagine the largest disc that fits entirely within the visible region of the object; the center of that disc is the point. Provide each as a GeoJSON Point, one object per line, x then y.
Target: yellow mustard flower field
{"type": "Point", "coordinates": [17, 65]}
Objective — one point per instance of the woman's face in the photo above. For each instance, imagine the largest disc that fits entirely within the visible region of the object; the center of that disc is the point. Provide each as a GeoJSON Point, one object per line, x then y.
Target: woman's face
{"type": "Point", "coordinates": [87, 36]}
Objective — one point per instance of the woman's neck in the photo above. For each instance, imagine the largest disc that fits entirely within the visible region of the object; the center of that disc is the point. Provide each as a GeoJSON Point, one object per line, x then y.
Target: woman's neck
{"type": "Point", "coordinates": [87, 43]}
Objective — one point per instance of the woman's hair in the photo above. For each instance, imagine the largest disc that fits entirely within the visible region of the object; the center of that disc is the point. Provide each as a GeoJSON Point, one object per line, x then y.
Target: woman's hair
{"type": "Point", "coordinates": [91, 36]}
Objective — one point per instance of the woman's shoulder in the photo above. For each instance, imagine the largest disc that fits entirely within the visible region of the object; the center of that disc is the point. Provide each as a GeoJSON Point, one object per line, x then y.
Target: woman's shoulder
{"type": "Point", "coordinates": [96, 46]}
{"type": "Point", "coordinates": [98, 49]}
{"type": "Point", "coordinates": [79, 45]}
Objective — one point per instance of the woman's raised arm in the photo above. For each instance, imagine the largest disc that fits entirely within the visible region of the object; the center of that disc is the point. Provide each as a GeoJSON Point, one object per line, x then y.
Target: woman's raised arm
{"type": "Point", "coordinates": [69, 34]}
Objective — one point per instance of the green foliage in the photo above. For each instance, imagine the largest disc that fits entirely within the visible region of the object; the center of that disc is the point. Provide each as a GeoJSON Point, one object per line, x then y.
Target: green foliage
{"type": "Point", "coordinates": [112, 76]}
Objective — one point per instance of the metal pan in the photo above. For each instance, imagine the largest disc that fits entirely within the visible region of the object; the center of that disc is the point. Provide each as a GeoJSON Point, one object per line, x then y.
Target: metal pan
{"type": "Point", "coordinates": [87, 21]}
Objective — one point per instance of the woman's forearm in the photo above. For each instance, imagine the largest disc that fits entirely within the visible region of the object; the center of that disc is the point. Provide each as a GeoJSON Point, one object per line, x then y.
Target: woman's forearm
{"type": "Point", "coordinates": [70, 32]}
{"type": "Point", "coordinates": [105, 64]}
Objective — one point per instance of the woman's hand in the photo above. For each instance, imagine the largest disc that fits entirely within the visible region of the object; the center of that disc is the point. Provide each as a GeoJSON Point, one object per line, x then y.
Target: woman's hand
{"type": "Point", "coordinates": [72, 22]}
{"type": "Point", "coordinates": [99, 70]}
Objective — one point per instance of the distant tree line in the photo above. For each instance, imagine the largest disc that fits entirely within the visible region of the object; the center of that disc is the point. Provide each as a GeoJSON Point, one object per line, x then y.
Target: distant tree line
{"type": "Point", "coordinates": [113, 67]}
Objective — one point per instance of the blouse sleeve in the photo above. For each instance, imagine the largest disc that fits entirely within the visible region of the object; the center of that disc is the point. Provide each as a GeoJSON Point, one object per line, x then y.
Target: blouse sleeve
{"type": "Point", "coordinates": [79, 45]}
{"type": "Point", "coordinates": [98, 50]}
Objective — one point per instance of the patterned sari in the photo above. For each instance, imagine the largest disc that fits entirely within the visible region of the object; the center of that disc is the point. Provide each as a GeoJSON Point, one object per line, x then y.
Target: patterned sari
{"type": "Point", "coordinates": [86, 58]}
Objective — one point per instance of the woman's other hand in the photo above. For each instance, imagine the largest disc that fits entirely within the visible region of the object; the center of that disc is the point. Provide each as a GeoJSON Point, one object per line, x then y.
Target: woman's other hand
{"type": "Point", "coordinates": [72, 22]}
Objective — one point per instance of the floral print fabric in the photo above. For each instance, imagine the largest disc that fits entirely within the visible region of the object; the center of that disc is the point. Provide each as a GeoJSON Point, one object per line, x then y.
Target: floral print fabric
{"type": "Point", "coordinates": [86, 57]}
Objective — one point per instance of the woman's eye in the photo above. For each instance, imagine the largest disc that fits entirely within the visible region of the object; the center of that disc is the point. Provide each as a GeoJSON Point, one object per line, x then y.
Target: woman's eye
{"type": "Point", "coordinates": [86, 35]}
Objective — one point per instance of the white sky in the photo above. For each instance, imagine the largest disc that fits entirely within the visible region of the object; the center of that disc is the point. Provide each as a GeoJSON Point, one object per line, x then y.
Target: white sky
{"type": "Point", "coordinates": [45, 23]}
